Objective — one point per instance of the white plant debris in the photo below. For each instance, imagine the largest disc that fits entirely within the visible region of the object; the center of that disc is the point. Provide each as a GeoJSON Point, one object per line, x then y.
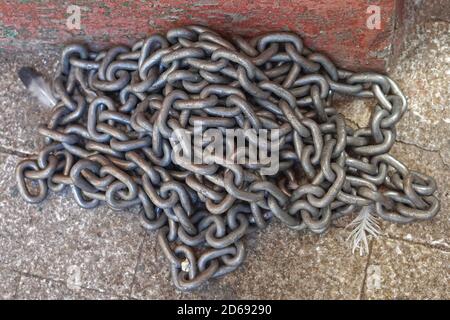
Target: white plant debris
{"type": "Point", "coordinates": [363, 227]}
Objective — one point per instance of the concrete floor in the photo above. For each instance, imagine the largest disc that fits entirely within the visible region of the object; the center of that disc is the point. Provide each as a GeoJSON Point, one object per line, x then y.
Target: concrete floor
{"type": "Point", "coordinates": [56, 250]}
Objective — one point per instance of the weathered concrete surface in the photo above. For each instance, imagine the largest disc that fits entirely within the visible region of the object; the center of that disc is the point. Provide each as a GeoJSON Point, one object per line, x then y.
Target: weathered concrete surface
{"type": "Point", "coordinates": [57, 240]}
{"type": "Point", "coordinates": [424, 76]}
{"type": "Point", "coordinates": [32, 287]}
{"type": "Point", "coordinates": [21, 115]}
{"type": "Point", "coordinates": [9, 282]}
{"type": "Point", "coordinates": [280, 264]}
{"type": "Point", "coordinates": [401, 270]}
{"type": "Point", "coordinates": [43, 247]}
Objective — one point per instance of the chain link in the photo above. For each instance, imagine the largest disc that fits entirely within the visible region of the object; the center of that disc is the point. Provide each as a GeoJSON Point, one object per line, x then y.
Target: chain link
{"type": "Point", "coordinates": [108, 139]}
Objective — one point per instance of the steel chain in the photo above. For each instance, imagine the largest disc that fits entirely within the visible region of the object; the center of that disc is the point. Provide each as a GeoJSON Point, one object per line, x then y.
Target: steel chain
{"type": "Point", "coordinates": [108, 139]}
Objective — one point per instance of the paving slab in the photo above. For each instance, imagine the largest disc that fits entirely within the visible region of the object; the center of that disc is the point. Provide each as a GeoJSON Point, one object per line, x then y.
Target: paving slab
{"type": "Point", "coordinates": [280, 264]}
{"type": "Point", "coordinates": [58, 240]}
{"type": "Point", "coordinates": [424, 77]}
{"type": "Point", "coordinates": [401, 270]}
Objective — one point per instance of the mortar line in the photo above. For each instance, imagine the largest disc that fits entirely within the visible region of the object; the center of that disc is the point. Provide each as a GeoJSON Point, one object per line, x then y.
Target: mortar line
{"type": "Point", "coordinates": [61, 282]}
{"type": "Point", "coordinates": [363, 286]}
{"type": "Point", "coordinates": [438, 152]}
{"type": "Point", "coordinates": [412, 242]}
{"type": "Point", "coordinates": [15, 152]}
{"type": "Point", "coordinates": [16, 289]}
{"type": "Point", "coordinates": [389, 236]}
{"type": "Point", "coordinates": [417, 146]}
{"type": "Point", "coordinates": [442, 159]}
{"type": "Point", "coordinates": [141, 249]}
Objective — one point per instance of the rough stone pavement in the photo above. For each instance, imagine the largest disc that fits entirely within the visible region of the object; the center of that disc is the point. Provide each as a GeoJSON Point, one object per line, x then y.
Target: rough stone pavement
{"type": "Point", "coordinates": [56, 250]}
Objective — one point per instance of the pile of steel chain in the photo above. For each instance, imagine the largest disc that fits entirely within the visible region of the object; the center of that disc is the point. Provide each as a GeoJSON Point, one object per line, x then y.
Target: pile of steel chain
{"type": "Point", "coordinates": [108, 139]}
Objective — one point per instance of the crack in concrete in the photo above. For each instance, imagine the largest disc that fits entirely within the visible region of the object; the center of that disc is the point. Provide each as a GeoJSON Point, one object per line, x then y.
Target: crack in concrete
{"type": "Point", "coordinates": [423, 244]}
{"type": "Point", "coordinates": [352, 122]}
{"type": "Point", "coordinates": [362, 292]}
{"type": "Point", "coordinates": [417, 146]}
{"type": "Point", "coordinates": [16, 153]}
{"type": "Point", "coordinates": [16, 289]}
{"type": "Point", "coordinates": [140, 251]}
{"type": "Point", "coordinates": [443, 162]}
{"type": "Point", "coordinates": [438, 152]}
{"type": "Point", "coordinates": [31, 275]}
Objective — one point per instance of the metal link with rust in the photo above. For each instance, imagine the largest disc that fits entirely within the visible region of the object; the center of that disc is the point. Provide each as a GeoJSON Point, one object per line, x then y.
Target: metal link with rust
{"type": "Point", "coordinates": [108, 140]}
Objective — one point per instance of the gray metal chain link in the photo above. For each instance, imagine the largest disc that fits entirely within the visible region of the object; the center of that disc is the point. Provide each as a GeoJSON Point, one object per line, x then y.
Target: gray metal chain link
{"type": "Point", "coordinates": [108, 140]}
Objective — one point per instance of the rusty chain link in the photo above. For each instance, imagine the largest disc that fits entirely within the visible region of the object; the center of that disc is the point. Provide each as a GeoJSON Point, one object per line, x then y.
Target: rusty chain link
{"type": "Point", "coordinates": [108, 139]}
